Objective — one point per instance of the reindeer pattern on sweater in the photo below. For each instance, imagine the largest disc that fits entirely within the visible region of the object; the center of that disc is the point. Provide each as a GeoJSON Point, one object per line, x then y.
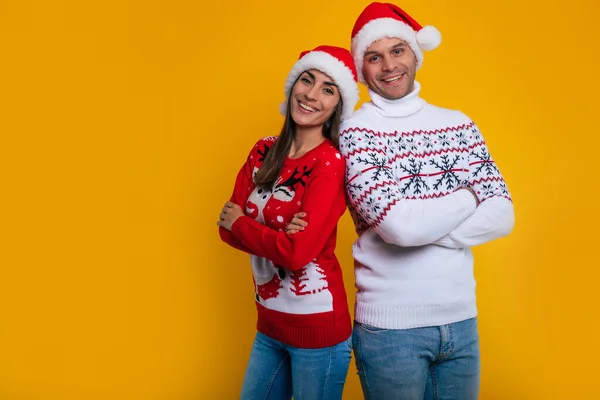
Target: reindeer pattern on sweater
{"type": "Point", "coordinates": [303, 291]}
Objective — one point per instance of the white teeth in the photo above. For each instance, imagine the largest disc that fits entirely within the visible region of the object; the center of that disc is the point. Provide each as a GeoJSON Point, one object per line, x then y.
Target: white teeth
{"type": "Point", "coordinates": [393, 79]}
{"type": "Point", "coordinates": [307, 108]}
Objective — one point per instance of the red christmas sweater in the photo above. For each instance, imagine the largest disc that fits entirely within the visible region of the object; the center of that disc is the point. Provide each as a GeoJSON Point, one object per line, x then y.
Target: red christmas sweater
{"type": "Point", "coordinates": [299, 288]}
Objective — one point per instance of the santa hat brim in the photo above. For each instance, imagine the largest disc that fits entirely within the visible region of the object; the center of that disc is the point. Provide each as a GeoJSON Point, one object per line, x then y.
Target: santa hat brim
{"type": "Point", "coordinates": [335, 69]}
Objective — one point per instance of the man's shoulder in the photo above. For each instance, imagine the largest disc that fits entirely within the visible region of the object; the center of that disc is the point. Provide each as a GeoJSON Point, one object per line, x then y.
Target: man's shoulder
{"type": "Point", "coordinates": [445, 115]}
{"type": "Point", "coordinates": [362, 119]}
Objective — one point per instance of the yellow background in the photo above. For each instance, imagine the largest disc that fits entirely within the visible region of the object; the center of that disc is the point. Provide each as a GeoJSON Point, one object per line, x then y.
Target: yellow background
{"type": "Point", "coordinates": [123, 124]}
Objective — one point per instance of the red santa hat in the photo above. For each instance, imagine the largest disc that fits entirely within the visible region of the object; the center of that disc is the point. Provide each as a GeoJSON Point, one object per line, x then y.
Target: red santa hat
{"type": "Point", "coordinates": [336, 62]}
{"type": "Point", "coordinates": [385, 20]}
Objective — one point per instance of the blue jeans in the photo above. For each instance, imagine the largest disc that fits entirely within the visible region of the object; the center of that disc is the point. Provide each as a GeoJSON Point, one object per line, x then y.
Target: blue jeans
{"type": "Point", "coordinates": [277, 371]}
{"type": "Point", "coordinates": [432, 363]}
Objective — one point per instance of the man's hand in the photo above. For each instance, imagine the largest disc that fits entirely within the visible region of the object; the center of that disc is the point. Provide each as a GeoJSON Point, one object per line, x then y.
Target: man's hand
{"type": "Point", "coordinates": [229, 214]}
{"type": "Point", "coordinates": [297, 224]}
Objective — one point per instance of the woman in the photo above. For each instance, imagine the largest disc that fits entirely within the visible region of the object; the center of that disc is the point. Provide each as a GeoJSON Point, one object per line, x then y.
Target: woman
{"type": "Point", "coordinates": [303, 344]}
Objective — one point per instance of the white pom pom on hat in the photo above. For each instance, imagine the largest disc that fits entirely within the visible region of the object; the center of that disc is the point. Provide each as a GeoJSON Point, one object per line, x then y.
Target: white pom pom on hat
{"type": "Point", "coordinates": [429, 37]}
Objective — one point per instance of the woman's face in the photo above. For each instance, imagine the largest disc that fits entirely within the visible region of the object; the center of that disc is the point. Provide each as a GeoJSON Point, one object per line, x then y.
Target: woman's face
{"type": "Point", "coordinates": [314, 98]}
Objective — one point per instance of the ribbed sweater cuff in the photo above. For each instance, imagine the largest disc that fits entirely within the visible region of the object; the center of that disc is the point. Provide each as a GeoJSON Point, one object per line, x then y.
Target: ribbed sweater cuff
{"type": "Point", "coordinates": [241, 228]}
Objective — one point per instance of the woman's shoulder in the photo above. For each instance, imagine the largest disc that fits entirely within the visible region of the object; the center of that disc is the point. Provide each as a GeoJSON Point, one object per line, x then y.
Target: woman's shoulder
{"type": "Point", "coordinates": [331, 150]}
{"type": "Point", "coordinates": [329, 157]}
{"type": "Point", "coordinates": [261, 147]}
{"type": "Point", "coordinates": [267, 141]}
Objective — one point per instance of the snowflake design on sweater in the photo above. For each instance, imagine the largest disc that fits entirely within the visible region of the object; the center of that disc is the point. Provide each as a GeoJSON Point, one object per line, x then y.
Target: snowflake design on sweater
{"type": "Point", "coordinates": [445, 141]}
{"type": "Point", "coordinates": [388, 193]}
{"type": "Point", "coordinates": [503, 189]}
{"type": "Point", "coordinates": [372, 140]}
{"type": "Point", "coordinates": [372, 206]}
{"type": "Point", "coordinates": [415, 180]}
{"type": "Point", "coordinates": [428, 142]}
{"type": "Point", "coordinates": [419, 164]}
{"type": "Point", "coordinates": [363, 139]}
{"type": "Point", "coordinates": [461, 139]}
{"type": "Point", "coordinates": [488, 190]}
{"type": "Point", "coordinates": [475, 133]}
{"type": "Point", "coordinates": [411, 144]}
{"type": "Point", "coordinates": [401, 143]}
{"type": "Point", "coordinates": [391, 145]}
{"type": "Point", "coordinates": [350, 141]}
{"type": "Point", "coordinates": [448, 175]}
{"type": "Point", "coordinates": [354, 189]}
{"type": "Point", "coordinates": [380, 164]}
{"type": "Point", "coordinates": [484, 162]}
{"type": "Point", "coordinates": [360, 221]}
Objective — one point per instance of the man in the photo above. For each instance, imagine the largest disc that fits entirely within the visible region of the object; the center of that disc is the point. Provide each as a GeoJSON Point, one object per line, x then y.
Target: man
{"type": "Point", "coordinates": [422, 189]}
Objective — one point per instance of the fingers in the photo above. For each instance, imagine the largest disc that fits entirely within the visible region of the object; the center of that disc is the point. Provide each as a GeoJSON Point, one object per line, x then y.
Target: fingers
{"type": "Point", "coordinates": [301, 214]}
{"type": "Point", "coordinates": [224, 225]}
{"type": "Point", "coordinates": [299, 222]}
{"type": "Point", "coordinates": [223, 215]}
{"type": "Point", "coordinates": [291, 231]}
{"type": "Point", "coordinates": [293, 227]}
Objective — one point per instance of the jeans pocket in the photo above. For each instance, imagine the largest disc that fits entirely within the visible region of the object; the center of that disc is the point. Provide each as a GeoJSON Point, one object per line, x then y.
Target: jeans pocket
{"type": "Point", "coordinates": [371, 328]}
{"type": "Point", "coordinates": [349, 342]}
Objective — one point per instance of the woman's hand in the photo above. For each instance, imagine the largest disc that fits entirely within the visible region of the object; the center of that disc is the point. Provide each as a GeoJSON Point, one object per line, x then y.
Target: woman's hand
{"type": "Point", "coordinates": [297, 224]}
{"type": "Point", "coordinates": [229, 214]}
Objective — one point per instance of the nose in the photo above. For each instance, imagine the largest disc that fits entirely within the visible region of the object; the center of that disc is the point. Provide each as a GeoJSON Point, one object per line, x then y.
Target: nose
{"type": "Point", "coordinates": [388, 64]}
{"type": "Point", "coordinates": [311, 94]}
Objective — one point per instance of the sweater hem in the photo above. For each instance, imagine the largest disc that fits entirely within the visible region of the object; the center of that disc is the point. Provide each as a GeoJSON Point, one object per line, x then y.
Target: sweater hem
{"type": "Point", "coordinates": [409, 317]}
{"type": "Point", "coordinates": [334, 330]}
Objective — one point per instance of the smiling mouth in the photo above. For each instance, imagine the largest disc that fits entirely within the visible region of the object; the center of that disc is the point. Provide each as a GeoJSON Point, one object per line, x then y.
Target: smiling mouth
{"type": "Point", "coordinates": [306, 108]}
{"type": "Point", "coordinates": [393, 78]}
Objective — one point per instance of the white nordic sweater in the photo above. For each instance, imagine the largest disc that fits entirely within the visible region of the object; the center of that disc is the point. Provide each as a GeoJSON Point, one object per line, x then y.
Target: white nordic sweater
{"type": "Point", "coordinates": [405, 160]}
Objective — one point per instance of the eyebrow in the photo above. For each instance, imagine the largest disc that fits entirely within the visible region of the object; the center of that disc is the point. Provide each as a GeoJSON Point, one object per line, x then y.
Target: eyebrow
{"type": "Point", "coordinates": [313, 76]}
{"type": "Point", "coordinates": [401, 44]}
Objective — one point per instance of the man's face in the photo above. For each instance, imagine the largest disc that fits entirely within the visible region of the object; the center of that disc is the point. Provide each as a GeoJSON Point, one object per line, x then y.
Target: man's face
{"type": "Point", "coordinates": [389, 68]}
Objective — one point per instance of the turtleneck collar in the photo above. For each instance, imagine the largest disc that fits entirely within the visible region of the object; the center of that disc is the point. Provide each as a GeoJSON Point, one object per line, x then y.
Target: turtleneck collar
{"type": "Point", "coordinates": [403, 107]}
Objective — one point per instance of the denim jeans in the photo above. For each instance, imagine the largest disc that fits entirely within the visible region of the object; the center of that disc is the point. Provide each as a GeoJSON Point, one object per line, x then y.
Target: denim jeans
{"type": "Point", "coordinates": [433, 363]}
{"type": "Point", "coordinates": [276, 371]}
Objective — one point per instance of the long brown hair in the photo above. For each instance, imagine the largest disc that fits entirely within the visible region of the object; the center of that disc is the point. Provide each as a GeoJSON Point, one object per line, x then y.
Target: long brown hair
{"type": "Point", "coordinates": [271, 167]}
